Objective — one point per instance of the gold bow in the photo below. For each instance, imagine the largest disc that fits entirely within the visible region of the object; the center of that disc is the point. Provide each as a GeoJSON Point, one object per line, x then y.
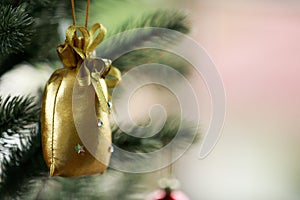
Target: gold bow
{"type": "Point", "coordinates": [76, 50]}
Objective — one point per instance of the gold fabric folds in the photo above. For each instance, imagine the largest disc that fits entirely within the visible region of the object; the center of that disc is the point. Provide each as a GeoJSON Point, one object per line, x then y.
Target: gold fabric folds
{"type": "Point", "coordinates": [76, 134]}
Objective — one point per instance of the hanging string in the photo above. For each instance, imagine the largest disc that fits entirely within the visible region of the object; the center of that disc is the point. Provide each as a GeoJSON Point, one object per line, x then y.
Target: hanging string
{"type": "Point", "coordinates": [171, 165]}
{"type": "Point", "coordinates": [73, 12]}
{"type": "Point", "coordinates": [87, 14]}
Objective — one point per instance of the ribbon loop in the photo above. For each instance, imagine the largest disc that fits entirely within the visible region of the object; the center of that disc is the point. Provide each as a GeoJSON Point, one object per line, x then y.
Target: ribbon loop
{"type": "Point", "coordinates": [70, 49]}
{"type": "Point", "coordinates": [76, 51]}
{"type": "Point", "coordinates": [94, 70]}
{"type": "Point", "coordinates": [113, 78]}
{"type": "Point", "coordinates": [94, 42]}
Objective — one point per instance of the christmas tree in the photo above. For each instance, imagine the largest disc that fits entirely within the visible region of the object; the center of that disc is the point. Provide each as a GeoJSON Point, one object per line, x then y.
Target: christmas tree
{"type": "Point", "coordinates": [29, 33]}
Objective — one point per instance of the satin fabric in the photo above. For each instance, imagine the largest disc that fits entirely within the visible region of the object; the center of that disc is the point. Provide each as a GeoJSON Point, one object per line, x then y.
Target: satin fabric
{"type": "Point", "coordinates": [59, 131]}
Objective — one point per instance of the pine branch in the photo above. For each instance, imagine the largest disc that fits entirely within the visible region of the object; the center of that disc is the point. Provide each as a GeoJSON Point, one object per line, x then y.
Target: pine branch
{"type": "Point", "coordinates": [173, 20]}
{"type": "Point", "coordinates": [156, 142]}
{"type": "Point", "coordinates": [110, 186]}
{"type": "Point", "coordinates": [13, 3]}
{"type": "Point", "coordinates": [44, 37]}
{"type": "Point", "coordinates": [16, 113]}
{"type": "Point", "coordinates": [23, 163]}
{"type": "Point", "coordinates": [15, 29]}
{"type": "Point", "coordinates": [133, 39]}
{"type": "Point", "coordinates": [24, 172]}
{"type": "Point", "coordinates": [17, 118]}
{"type": "Point", "coordinates": [149, 56]}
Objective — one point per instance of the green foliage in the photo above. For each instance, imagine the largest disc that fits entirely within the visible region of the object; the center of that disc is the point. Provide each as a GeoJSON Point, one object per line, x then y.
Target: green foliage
{"type": "Point", "coordinates": [173, 20]}
{"type": "Point", "coordinates": [18, 118]}
{"type": "Point", "coordinates": [154, 143]}
{"type": "Point", "coordinates": [109, 186]}
{"type": "Point", "coordinates": [40, 38]}
{"type": "Point", "coordinates": [15, 29]}
{"type": "Point", "coordinates": [25, 174]}
{"type": "Point", "coordinates": [33, 40]}
{"type": "Point", "coordinates": [21, 165]}
{"type": "Point", "coordinates": [148, 56]}
{"type": "Point", "coordinates": [16, 113]}
{"type": "Point", "coordinates": [132, 38]}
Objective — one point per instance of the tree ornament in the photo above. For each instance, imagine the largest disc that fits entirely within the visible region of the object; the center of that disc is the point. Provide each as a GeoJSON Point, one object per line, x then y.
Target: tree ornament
{"type": "Point", "coordinates": [169, 191]}
{"type": "Point", "coordinates": [64, 151]}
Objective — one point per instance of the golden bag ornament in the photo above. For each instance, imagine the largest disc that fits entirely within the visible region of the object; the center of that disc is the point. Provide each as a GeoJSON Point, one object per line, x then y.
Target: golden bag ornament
{"type": "Point", "coordinates": [76, 134]}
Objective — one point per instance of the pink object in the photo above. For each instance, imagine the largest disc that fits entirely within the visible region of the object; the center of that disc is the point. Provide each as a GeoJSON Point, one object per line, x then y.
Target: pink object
{"type": "Point", "coordinates": [161, 195]}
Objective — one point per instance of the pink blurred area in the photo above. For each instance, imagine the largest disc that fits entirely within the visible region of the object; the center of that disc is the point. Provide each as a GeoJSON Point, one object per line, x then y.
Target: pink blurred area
{"type": "Point", "coordinates": [256, 48]}
{"type": "Point", "coordinates": [161, 195]}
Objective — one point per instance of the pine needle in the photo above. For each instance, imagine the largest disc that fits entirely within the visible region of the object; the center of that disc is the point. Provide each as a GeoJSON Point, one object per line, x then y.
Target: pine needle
{"type": "Point", "coordinates": [23, 163]}
{"type": "Point", "coordinates": [169, 19]}
{"type": "Point", "coordinates": [17, 113]}
{"type": "Point", "coordinates": [150, 144]}
{"type": "Point", "coordinates": [133, 38]}
{"type": "Point", "coordinates": [15, 29]}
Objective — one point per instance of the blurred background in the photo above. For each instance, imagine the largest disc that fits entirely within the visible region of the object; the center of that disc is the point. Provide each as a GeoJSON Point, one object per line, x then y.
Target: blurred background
{"type": "Point", "coordinates": [255, 46]}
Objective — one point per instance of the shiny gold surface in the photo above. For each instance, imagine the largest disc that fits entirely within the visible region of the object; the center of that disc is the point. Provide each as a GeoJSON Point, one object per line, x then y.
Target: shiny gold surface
{"type": "Point", "coordinates": [62, 130]}
{"type": "Point", "coordinates": [60, 136]}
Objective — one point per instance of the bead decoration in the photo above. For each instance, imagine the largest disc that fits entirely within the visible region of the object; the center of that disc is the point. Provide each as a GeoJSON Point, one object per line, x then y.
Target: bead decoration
{"type": "Point", "coordinates": [109, 103]}
{"type": "Point", "coordinates": [100, 123]}
{"type": "Point", "coordinates": [111, 149]}
{"type": "Point", "coordinates": [79, 149]}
